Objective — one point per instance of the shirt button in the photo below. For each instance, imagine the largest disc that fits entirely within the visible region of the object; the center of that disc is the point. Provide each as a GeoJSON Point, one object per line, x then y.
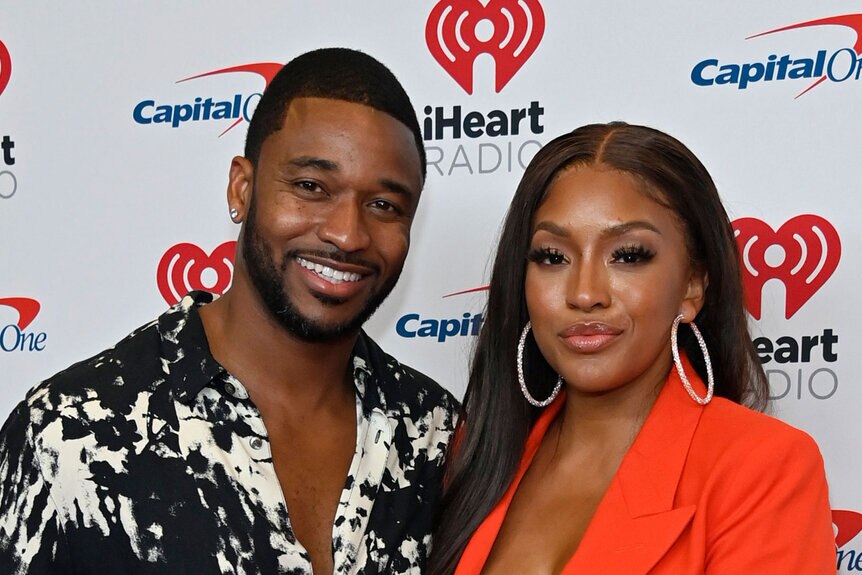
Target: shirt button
{"type": "Point", "coordinates": [256, 443]}
{"type": "Point", "coordinates": [230, 388]}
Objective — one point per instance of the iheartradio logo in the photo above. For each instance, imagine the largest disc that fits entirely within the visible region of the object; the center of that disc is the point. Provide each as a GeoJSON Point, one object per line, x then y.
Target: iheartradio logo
{"type": "Point", "coordinates": [186, 267]}
{"type": "Point", "coordinates": [509, 31]}
{"type": "Point", "coordinates": [802, 254]}
{"type": "Point", "coordinates": [5, 67]}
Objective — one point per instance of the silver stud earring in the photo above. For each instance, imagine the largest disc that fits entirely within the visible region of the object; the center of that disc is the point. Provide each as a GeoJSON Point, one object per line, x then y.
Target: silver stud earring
{"type": "Point", "coordinates": [234, 213]}
{"type": "Point", "coordinates": [679, 369]}
{"type": "Point", "coordinates": [532, 400]}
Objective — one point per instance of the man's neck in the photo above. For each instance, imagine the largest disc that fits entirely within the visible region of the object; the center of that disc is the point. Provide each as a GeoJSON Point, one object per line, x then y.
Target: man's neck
{"type": "Point", "coordinates": [271, 362]}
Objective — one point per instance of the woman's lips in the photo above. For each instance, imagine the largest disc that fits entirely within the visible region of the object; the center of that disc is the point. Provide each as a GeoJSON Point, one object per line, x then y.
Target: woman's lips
{"type": "Point", "coordinates": [589, 337]}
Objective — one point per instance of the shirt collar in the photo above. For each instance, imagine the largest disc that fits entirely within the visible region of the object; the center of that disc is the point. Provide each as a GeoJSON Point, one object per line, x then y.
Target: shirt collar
{"type": "Point", "coordinates": [369, 366]}
{"type": "Point", "coordinates": [189, 366]}
{"type": "Point", "coordinates": [187, 362]}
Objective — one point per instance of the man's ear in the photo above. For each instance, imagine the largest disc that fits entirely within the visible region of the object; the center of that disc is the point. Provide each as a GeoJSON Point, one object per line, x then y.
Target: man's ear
{"type": "Point", "coordinates": [695, 294]}
{"type": "Point", "coordinates": [239, 187]}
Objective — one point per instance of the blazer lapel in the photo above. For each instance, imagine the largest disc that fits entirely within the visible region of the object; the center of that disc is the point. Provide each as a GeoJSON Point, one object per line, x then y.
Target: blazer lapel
{"type": "Point", "coordinates": [636, 522]}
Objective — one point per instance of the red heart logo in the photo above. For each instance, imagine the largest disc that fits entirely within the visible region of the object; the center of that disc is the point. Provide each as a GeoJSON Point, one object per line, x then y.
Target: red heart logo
{"type": "Point", "coordinates": [458, 31]}
{"type": "Point", "coordinates": [5, 67]}
{"type": "Point", "coordinates": [811, 251]}
{"type": "Point", "coordinates": [182, 267]}
{"type": "Point", "coordinates": [849, 524]}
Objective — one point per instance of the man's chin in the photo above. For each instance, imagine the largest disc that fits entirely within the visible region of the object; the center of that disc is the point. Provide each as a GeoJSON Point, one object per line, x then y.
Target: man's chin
{"type": "Point", "coordinates": [315, 331]}
{"type": "Point", "coordinates": [329, 300]}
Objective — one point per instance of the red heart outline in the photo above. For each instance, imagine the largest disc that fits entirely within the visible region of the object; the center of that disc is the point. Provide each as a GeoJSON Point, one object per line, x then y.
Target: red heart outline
{"type": "Point", "coordinates": [450, 34]}
{"type": "Point", "coordinates": [812, 251]}
{"type": "Point", "coordinates": [180, 269]}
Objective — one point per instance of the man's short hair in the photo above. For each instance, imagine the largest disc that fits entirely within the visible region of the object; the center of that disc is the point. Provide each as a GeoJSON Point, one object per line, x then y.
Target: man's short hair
{"type": "Point", "coordinates": [338, 74]}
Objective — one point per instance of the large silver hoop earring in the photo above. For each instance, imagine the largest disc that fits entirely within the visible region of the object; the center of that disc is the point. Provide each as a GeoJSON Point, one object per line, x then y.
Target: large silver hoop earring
{"type": "Point", "coordinates": [679, 369]}
{"type": "Point", "coordinates": [532, 400]}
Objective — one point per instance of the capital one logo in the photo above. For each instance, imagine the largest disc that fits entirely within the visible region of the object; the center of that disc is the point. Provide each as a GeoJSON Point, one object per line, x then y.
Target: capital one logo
{"type": "Point", "coordinates": [5, 67]}
{"type": "Point", "coordinates": [186, 267]}
{"type": "Point", "coordinates": [838, 66]}
{"type": "Point", "coordinates": [204, 108]}
{"type": "Point", "coordinates": [853, 22]}
{"type": "Point", "coordinates": [13, 336]}
{"type": "Point", "coordinates": [458, 31]}
{"type": "Point", "coordinates": [802, 254]}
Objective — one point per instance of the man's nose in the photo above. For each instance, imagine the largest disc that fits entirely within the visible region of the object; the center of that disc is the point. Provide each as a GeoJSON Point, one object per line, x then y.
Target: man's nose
{"type": "Point", "coordinates": [344, 226]}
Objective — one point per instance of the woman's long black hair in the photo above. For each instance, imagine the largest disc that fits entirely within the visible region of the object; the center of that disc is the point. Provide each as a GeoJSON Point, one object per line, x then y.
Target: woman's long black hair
{"type": "Point", "coordinates": [496, 418]}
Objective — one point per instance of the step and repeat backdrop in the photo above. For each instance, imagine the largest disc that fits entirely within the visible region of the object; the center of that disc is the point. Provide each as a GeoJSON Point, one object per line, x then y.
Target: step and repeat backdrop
{"type": "Point", "coordinates": [118, 122]}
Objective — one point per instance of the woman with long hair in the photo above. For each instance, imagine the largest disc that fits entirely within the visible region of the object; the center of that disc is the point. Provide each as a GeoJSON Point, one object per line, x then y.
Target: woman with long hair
{"type": "Point", "coordinates": [612, 421]}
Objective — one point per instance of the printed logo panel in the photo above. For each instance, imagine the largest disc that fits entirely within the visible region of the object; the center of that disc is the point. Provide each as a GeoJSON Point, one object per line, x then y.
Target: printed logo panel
{"type": "Point", "coordinates": [804, 253]}
{"type": "Point", "coordinates": [458, 31]}
{"type": "Point", "coordinates": [186, 267]}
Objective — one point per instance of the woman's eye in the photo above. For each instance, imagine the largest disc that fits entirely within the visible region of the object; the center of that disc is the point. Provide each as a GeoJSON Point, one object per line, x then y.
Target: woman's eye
{"type": "Point", "coordinates": [547, 256]}
{"type": "Point", "coordinates": [632, 255]}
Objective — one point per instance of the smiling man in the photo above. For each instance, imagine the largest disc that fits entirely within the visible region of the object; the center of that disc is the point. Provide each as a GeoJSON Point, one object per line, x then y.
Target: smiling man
{"type": "Point", "coordinates": [263, 431]}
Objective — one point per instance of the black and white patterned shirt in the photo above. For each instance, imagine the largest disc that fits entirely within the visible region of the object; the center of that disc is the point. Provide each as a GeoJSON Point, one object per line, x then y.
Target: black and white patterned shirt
{"type": "Point", "coordinates": [151, 458]}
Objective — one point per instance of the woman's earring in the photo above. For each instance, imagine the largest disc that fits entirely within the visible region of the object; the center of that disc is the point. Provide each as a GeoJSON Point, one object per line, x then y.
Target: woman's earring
{"type": "Point", "coordinates": [527, 396]}
{"type": "Point", "coordinates": [679, 369]}
{"type": "Point", "coordinates": [234, 213]}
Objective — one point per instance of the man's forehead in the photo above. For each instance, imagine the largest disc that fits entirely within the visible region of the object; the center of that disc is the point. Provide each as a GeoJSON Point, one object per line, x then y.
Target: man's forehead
{"type": "Point", "coordinates": [322, 128]}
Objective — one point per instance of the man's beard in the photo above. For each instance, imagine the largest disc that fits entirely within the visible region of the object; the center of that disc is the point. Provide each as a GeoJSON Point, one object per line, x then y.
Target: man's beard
{"type": "Point", "coordinates": [267, 280]}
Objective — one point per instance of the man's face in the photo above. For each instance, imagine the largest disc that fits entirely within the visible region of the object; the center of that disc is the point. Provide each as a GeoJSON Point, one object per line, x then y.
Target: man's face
{"type": "Point", "coordinates": [328, 225]}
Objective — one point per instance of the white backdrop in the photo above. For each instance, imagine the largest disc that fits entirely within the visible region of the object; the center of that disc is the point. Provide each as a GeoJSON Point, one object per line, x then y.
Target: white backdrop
{"type": "Point", "coordinates": [108, 162]}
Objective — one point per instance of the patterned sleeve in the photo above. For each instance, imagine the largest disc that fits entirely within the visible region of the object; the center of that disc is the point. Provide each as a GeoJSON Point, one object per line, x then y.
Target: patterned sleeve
{"type": "Point", "coordinates": [31, 540]}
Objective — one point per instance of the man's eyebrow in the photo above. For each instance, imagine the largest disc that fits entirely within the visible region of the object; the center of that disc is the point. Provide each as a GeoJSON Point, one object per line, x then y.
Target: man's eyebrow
{"type": "Point", "coordinates": [398, 188]}
{"type": "Point", "coordinates": [311, 162]}
{"type": "Point", "coordinates": [611, 231]}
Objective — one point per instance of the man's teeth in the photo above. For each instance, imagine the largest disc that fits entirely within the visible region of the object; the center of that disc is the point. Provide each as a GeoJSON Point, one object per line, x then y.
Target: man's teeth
{"type": "Point", "coordinates": [331, 275]}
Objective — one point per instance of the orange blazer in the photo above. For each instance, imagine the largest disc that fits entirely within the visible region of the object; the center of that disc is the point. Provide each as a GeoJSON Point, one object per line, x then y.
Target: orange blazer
{"type": "Point", "coordinates": [717, 489]}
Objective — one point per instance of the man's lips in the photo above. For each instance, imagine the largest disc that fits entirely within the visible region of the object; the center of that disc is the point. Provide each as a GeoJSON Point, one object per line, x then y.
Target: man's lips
{"type": "Point", "coordinates": [589, 337]}
{"type": "Point", "coordinates": [335, 272]}
{"type": "Point", "coordinates": [333, 279]}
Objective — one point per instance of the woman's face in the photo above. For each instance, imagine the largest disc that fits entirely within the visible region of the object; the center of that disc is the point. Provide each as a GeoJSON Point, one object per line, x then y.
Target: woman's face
{"type": "Point", "coordinates": [608, 271]}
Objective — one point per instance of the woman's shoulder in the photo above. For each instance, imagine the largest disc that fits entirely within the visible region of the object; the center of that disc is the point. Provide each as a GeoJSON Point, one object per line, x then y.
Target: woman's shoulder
{"type": "Point", "coordinates": [733, 420]}
{"type": "Point", "coordinates": [734, 436]}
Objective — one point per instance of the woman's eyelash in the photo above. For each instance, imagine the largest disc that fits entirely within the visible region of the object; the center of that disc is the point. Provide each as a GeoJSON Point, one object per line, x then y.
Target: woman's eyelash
{"type": "Point", "coordinates": [633, 254]}
{"type": "Point", "coordinates": [546, 255]}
